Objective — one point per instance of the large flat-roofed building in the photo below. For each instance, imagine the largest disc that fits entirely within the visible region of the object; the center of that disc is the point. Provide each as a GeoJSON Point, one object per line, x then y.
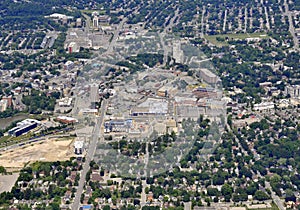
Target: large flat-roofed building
{"type": "Point", "coordinates": [118, 125]}
{"type": "Point", "coordinates": [104, 19]}
{"type": "Point", "coordinates": [96, 22]}
{"type": "Point", "coordinates": [151, 106]}
{"type": "Point", "coordinates": [23, 127]}
{"type": "Point", "coordinates": [9, 100]}
{"type": "Point", "coordinates": [85, 111]}
{"type": "Point", "coordinates": [66, 120]}
{"type": "Point", "coordinates": [201, 92]}
{"type": "Point", "coordinates": [78, 22]}
{"type": "Point", "coordinates": [208, 76]}
{"type": "Point", "coordinates": [65, 102]}
{"type": "Point", "coordinates": [293, 91]}
{"type": "Point", "coordinates": [264, 106]}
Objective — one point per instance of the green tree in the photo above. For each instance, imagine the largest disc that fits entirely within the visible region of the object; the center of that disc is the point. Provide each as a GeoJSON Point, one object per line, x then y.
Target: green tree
{"type": "Point", "coordinates": [106, 207]}
{"type": "Point", "coordinates": [227, 191]}
{"type": "Point", "coordinates": [261, 196]}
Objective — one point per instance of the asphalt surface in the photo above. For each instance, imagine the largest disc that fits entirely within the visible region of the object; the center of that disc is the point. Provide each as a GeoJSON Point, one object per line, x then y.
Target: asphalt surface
{"type": "Point", "coordinates": [96, 132]}
{"type": "Point", "coordinates": [275, 198]}
{"type": "Point", "coordinates": [291, 25]}
{"type": "Point", "coordinates": [89, 156]}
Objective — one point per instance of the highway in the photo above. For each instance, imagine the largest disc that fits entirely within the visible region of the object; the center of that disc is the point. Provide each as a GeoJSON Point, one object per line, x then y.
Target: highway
{"type": "Point", "coordinates": [89, 156]}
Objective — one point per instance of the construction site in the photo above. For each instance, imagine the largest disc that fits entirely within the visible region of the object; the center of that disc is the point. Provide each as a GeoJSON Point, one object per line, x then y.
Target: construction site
{"type": "Point", "coordinates": [49, 151]}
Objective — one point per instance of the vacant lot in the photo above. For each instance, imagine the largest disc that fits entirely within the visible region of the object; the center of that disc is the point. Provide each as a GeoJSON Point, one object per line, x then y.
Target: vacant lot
{"type": "Point", "coordinates": [7, 182]}
{"type": "Point", "coordinates": [50, 150]}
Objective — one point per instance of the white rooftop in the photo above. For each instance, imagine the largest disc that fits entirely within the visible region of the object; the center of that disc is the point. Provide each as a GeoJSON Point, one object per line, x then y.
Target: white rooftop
{"type": "Point", "coordinates": [78, 144]}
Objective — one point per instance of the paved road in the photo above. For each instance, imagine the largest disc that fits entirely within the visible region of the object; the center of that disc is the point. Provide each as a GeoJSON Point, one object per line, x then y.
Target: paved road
{"type": "Point", "coordinates": [115, 37]}
{"type": "Point", "coordinates": [267, 18]}
{"type": "Point", "coordinates": [291, 25]}
{"type": "Point", "coordinates": [96, 132]}
{"type": "Point", "coordinates": [246, 20]}
{"type": "Point", "coordinates": [245, 153]}
{"type": "Point", "coordinates": [202, 22]}
{"type": "Point", "coordinates": [143, 194]}
{"type": "Point", "coordinates": [275, 198]}
{"type": "Point", "coordinates": [90, 154]}
{"type": "Point", "coordinates": [87, 24]}
{"type": "Point", "coordinates": [144, 183]}
{"type": "Point", "coordinates": [225, 20]}
{"type": "Point", "coordinates": [165, 47]}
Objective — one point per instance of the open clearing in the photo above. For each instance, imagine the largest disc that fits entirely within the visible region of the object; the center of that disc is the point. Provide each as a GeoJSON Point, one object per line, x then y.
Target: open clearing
{"type": "Point", "coordinates": [213, 38]}
{"type": "Point", "coordinates": [7, 182]}
{"type": "Point", "coordinates": [50, 150]}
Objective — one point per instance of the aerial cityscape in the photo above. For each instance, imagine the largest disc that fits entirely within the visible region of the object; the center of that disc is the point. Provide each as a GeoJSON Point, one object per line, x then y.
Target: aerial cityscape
{"type": "Point", "coordinates": [150, 104]}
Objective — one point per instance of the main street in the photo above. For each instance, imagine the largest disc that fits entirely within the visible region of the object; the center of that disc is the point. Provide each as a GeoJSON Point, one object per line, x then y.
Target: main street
{"type": "Point", "coordinates": [96, 132]}
{"type": "Point", "coordinates": [162, 35]}
{"type": "Point", "coordinates": [89, 156]}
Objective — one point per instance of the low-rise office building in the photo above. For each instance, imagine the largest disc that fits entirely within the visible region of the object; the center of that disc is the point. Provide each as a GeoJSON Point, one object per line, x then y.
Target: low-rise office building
{"type": "Point", "coordinates": [23, 127]}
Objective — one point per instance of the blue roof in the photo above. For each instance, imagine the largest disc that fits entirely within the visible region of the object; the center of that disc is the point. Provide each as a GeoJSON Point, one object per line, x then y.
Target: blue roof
{"type": "Point", "coordinates": [87, 207]}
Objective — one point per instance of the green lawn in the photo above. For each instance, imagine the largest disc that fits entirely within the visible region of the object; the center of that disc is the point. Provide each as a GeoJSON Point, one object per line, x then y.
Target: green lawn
{"type": "Point", "coordinates": [13, 140]}
{"type": "Point", "coordinates": [4, 138]}
{"type": "Point", "coordinates": [274, 207]}
{"type": "Point", "coordinates": [213, 38]}
{"type": "Point", "coordinates": [101, 12]}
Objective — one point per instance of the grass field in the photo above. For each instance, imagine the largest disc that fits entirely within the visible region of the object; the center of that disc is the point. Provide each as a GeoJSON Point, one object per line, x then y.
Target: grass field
{"type": "Point", "coordinates": [274, 207]}
{"type": "Point", "coordinates": [213, 38]}
{"type": "Point", "coordinates": [10, 140]}
{"type": "Point", "coordinates": [101, 12]}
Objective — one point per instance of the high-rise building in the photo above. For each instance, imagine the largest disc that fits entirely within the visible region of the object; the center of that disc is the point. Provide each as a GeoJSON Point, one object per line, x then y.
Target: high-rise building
{"type": "Point", "coordinates": [72, 47]}
{"type": "Point", "coordinates": [208, 76]}
{"type": "Point", "coordinates": [96, 22]}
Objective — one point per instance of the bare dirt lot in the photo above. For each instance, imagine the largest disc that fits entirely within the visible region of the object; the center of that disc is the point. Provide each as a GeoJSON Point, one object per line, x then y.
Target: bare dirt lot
{"type": "Point", "coordinates": [49, 150]}
{"type": "Point", "coordinates": [7, 182]}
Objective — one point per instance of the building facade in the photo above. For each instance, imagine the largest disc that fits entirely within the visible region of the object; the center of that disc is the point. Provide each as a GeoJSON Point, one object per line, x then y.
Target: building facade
{"type": "Point", "coordinates": [293, 91]}
{"type": "Point", "coordinates": [23, 127]}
